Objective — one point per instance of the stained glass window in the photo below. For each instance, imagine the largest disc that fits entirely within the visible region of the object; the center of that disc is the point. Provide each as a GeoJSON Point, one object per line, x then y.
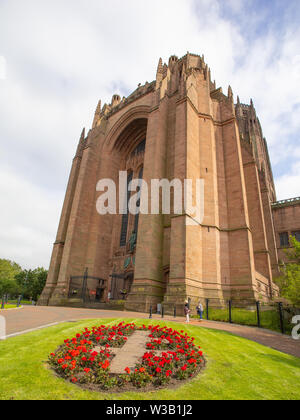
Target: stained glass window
{"type": "Point", "coordinates": [125, 216]}
{"type": "Point", "coordinates": [136, 219]}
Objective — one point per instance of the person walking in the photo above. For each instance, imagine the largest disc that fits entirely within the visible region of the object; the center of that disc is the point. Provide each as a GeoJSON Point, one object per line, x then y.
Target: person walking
{"type": "Point", "coordinates": [200, 310]}
{"type": "Point", "coordinates": [187, 311]}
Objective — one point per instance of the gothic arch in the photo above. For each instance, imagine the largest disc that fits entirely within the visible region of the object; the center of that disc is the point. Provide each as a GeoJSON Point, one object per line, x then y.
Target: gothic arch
{"type": "Point", "coordinates": [134, 119]}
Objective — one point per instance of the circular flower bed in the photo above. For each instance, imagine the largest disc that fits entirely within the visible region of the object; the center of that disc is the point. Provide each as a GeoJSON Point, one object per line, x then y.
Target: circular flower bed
{"type": "Point", "coordinates": [170, 356]}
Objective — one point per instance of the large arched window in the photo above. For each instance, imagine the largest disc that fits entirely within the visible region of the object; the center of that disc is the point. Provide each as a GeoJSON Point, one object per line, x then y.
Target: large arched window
{"type": "Point", "coordinates": [124, 226]}
{"type": "Point", "coordinates": [136, 218]}
{"type": "Point", "coordinates": [140, 148]}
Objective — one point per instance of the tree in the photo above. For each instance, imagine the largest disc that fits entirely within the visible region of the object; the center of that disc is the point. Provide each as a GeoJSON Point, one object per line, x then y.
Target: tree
{"type": "Point", "coordinates": [8, 272]}
{"type": "Point", "coordinates": [39, 283]}
{"type": "Point", "coordinates": [32, 282]}
{"type": "Point", "coordinates": [289, 282]}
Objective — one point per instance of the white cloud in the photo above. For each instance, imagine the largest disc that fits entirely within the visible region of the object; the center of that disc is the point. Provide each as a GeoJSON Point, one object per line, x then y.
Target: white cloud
{"type": "Point", "coordinates": [287, 185]}
{"type": "Point", "coordinates": [28, 220]}
{"type": "Point", "coordinates": [64, 56]}
{"type": "Point", "coordinates": [271, 75]}
{"type": "Point", "coordinates": [2, 68]}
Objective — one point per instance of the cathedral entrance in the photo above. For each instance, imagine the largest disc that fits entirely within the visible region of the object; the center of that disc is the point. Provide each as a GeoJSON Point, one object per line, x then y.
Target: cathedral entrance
{"type": "Point", "coordinates": [121, 285]}
{"type": "Point", "coordinates": [117, 282]}
{"type": "Point", "coordinates": [87, 288]}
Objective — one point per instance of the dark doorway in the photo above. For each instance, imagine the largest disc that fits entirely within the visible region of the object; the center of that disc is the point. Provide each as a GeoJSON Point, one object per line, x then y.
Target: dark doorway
{"type": "Point", "coordinates": [87, 288]}
{"type": "Point", "coordinates": [128, 282]}
{"type": "Point", "coordinates": [117, 283]}
{"type": "Point", "coordinates": [121, 285]}
{"type": "Point", "coordinates": [99, 294]}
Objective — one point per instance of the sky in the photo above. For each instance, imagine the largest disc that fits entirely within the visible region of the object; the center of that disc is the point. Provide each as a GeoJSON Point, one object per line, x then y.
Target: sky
{"type": "Point", "coordinates": [59, 57]}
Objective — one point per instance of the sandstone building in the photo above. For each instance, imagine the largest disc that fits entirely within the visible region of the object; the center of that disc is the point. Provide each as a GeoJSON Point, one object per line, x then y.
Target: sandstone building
{"type": "Point", "coordinates": [179, 126]}
{"type": "Point", "coordinates": [286, 216]}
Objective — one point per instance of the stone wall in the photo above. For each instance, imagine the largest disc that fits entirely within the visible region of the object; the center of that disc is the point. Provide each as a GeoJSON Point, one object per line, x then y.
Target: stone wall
{"type": "Point", "coordinates": [286, 216]}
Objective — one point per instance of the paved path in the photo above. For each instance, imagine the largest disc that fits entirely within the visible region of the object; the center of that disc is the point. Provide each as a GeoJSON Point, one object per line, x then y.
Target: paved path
{"type": "Point", "coordinates": [131, 352]}
{"type": "Point", "coordinates": [31, 317]}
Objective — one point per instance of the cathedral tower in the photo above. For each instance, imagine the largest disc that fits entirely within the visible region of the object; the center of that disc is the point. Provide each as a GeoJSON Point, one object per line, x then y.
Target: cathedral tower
{"type": "Point", "coordinates": [180, 126]}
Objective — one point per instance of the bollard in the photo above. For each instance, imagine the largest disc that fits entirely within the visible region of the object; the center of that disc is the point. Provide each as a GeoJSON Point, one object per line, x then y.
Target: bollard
{"type": "Point", "coordinates": [19, 301]}
{"type": "Point", "coordinates": [230, 311]}
{"type": "Point", "coordinates": [207, 303]}
{"type": "Point", "coordinates": [175, 311]}
{"type": "Point", "coordinates": [258, 313]}
{"type": "Point", "coordinates": [150, 316]}
{"type": "Point", "coordinates": [162, 311]}
{"type": "Point", "coordinates": [3, 302]}
{"type": "Point", "coordinates": [280, 308]}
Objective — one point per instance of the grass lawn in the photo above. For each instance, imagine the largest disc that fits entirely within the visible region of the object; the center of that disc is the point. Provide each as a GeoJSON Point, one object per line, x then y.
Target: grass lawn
{"type": "Point", "coordinates": [11, 304]}
{"type": "Point", "coordinates": [269, 319]}
{"type": "Point", "coordinates": [23, 302]}
{"type": "Point", "coordinates": [8, 306]}
{"type": "Point", "coordinates": [237, 368]}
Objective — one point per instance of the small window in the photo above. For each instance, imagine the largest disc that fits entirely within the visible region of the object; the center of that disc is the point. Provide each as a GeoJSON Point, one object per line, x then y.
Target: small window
{"type": "Point", "coordinates": [284, 239]}
{"type": "Point", "coordinates": [296, 234]}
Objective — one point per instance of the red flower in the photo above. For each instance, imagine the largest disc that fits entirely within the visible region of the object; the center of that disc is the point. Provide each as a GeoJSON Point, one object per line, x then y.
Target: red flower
{"type": "Point", "coordinates": [184, 367]}
{"type": "Point", "coordinates": [127, 370]}
{"type": "Point", "coordinates": [87, 370]}
{"type": "Point", "coordinates": [158, 370]}
{"type": "Point", "coordinates": [105, 364]}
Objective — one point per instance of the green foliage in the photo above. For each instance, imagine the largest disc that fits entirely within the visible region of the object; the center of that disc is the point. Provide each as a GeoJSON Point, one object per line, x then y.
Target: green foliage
{"type": "Point", "coordinates": [15, 281]}
{"type": "Point", "coordinates": [8, 271]}
{"type": "Point", "coordinates": [289, 282]}
{"type": "Point", "coordinates": [294, 253]}
{"type": "Point", "coordinates": [32, 282]}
